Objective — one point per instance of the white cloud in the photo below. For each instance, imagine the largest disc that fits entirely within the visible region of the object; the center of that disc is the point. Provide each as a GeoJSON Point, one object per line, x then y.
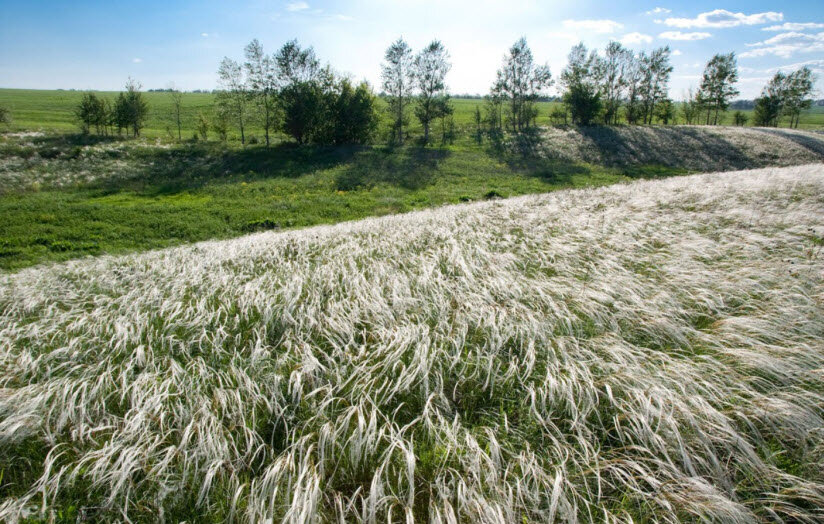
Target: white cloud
{"type": "Point", "coordinates": [137, 60]}
{"type": "Point", "coordinates": [659, 10]}
{"type": "Point", "coordinates": [297, 6]}
{"type": "Point", "coordinates": [204, 34]}
{"type": "Point", "coordinates": [677, 52]}
{"type": "Point", "coordinates": [793, 26]}
{"type": "Point", "coordinates": [636, 38]}
{"type": "Point", "coordinates": [786, 44]}
{"type": "Point", "coordinates": [723, 18]}
{"type": "Point", "coordinates": [678, 35]}
{"type": "Point", "coordinates": [596, 26]}
{"type": "Point", "coordinates": [817, 66]}
{"type": "Point", "coordinates": [344, 18]}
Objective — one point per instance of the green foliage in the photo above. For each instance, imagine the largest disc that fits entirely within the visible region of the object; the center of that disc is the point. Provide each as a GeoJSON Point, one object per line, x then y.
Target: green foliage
{"type": "Point", "coordinates": [130, 110]}
{"type": "Point", "coordinates": [665, 111]}
{"type": "Point", "coordinates": [739, 118]}
{"type": "Point", "coordinates": [518, 85]}
{"type": "Point", "coordinates": [582, 95]}
{"type": "Point", "coordinates": [92, 112]}
{"type": "Point", "coordinates": [5, 116]}
{"type": "Point", "coordinates": [398, 82]}
{"type": "Point", "coordinates": [203, 126]}
{"type": "Point", "coordinates": [718, 86]}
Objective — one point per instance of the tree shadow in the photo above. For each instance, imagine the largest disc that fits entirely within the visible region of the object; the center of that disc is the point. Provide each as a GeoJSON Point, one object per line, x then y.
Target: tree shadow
{"type": "Point", "coordinates": [409, 167]}
{"type": "Point", "coordinates": [813, 144]}
{"type": "Point", "coordinates": [192, 166]}
{"type": "Point", "coordinates": [675, 147]}
{"type": "Point", "coordinates": [527, 153]}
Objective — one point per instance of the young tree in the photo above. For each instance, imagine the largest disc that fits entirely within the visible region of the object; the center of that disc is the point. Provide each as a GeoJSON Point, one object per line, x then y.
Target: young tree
{"type": "Point", "coordinates": [519, 83]}
{"type": "Point", "coordinates": [295, 64]}
{"type": "Point", "coordinates": [770, 105]}
{"type": "Point", "coordinates": [479, 136]}
{"type": "Point", "coordinates": [130, 110]}
{"type": "Point", "coordinates": [633, 78]}
{"type": "Point", "coordinates": [233, 94]}
{"type": "Point", "coordinates": [220, 124]}
{"type": "Point", "coordinates": [665, 111]}
{"type": "Point", "coordinates": [398, 83]}
{"type": "Point", "coordinates": [798, 90]}
{"type": "Point", "coordinates": [177, 104]}
{"type": "Point", "coordinates": [5, 116]}
{"type": "Point", "coordinates": [429, 70]}
{"type": "Point", "coordinates": [690, 107]}
{"type": "Point", "coordinates": [718, 85]}
{"type": "Point", "coordinates": [92, 111]}
{"type": "Point", "coordinates": [612, 73]}
{"type": "Point", "coordinates": [580, 80]}
{"type": "Point", "coordinates": [261, 75]}
{"type": "Point", "coordinates": [203, 125]}
{"type": "Point", "coordinates": [304, 85]}
{"type": "Point", "coordinates": [739, 118]}
{"type": "Point", "coordinates": [352, 113]}
{"type": "Point", "coordinates": [656, 70]}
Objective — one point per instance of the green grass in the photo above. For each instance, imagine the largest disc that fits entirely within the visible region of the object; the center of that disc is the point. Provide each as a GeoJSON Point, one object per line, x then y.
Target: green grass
{"type": "Point", "coordinates": [52, 110]}
{"type": "Point", "coordinates": [150, 197]}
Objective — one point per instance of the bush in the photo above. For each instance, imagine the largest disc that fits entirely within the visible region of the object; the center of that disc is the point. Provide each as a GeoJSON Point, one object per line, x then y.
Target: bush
{"type": "Point", "coordinates": [260, 225]}
{"type": "Point", "coordinates": [584, 104]}
{"type": "Point", "coordinates": [5, 116]}
{"type": "Point", "coordinates": [740, 118]}
{"type": "Point", "coordinates": [489, 195]}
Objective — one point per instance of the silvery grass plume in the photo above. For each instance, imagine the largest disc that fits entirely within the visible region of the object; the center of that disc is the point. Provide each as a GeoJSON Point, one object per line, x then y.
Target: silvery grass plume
{"type": "Point", "coordinates": [642, 352]}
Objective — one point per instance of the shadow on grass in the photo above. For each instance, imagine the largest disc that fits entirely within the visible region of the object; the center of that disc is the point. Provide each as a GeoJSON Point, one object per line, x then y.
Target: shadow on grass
{"type": "Point", "coordinates": [670, 146]}
{"type": "Point", "coordinates": [813, 144]}
{"type": "Point", "coordinates": [407, 167]}
{"type": "Point", "coordinates": [526, 153]}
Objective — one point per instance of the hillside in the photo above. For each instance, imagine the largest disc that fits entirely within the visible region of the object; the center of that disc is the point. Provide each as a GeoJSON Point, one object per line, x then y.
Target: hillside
{"type": "Point", "coordinates": [694, 148]}
{"type": "Point", "coordinates": [67, 196]}
{"type": "Point", "coordinates": [643, 351]}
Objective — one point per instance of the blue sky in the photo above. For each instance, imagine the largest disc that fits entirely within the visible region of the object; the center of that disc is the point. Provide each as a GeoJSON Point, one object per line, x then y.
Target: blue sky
{"type": "Point", "coordinates": [97, 45]}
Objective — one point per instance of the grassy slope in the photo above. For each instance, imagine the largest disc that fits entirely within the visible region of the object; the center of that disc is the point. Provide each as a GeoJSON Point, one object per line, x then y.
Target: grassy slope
{"type": "Point", "coordinates": [62, 198]}
{"type": "Point", "coordinates": [645, 352]}
{"type": "Point", "coordinates": [52, 110]}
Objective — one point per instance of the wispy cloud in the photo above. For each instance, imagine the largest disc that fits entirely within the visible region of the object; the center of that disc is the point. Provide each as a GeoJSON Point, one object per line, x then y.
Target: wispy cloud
{"type": "Point", "coordinates": [636, 38]}
{"type": "Point", "coordinates": [659, 10]}
{"type": "Point", "coordinates": [794, 26]}
{"type": "Point", "coordinates": [136, 60]}
{"type": "Point", "coordinates": [677, 52]}
{"type": "Point", "coordinates": [297, 6]}
{"type": "Point", "coordinates": [204, 35]}
{"type": "Point", "coordinates": [786, 45]}
{"type": "Point", "coordinates": [721, 18]}
{"type": "Point", "coordinates": [678, 35]}
{"type": "Point", "coordinates": [596, 26]}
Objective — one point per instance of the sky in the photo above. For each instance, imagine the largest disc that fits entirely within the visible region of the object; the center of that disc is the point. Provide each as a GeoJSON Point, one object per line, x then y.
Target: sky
{"type": "Point", "coordinates": [98, 45]}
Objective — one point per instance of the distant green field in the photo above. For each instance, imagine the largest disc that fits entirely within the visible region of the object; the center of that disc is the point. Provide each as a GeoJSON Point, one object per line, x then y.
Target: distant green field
{"type": "Point", "coordinates": [53, 111]}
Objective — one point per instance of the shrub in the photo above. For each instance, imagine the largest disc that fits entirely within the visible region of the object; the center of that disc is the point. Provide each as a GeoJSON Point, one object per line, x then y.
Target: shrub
{"type": "Point", "coordinates": [489, 195]}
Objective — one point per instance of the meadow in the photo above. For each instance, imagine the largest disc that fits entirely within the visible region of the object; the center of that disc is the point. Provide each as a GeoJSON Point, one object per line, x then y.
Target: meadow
{"type": "Point", "coordinates": [66, 196]}
{"type": "Point", "coordinates": [53, 111]}
{"type": "Point", "coordinates": [643, 352]}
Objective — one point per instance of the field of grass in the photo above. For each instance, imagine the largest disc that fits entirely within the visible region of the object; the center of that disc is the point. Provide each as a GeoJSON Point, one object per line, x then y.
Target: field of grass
{"type": "Point", "coordinates": [67, 196]}
{"type": "Point", "coordinates": [53, 111]}
{"type": "Point", "coordinates": [642, 352]}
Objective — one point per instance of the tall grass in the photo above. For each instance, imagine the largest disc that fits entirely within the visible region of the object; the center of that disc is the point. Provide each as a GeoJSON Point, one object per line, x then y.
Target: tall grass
{"type": "Point", "coordinates": [642, 352]}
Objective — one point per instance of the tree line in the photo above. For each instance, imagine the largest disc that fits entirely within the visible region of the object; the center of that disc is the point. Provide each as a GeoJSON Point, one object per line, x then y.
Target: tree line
{"type": "Point", "coordinates": [293, 93]}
